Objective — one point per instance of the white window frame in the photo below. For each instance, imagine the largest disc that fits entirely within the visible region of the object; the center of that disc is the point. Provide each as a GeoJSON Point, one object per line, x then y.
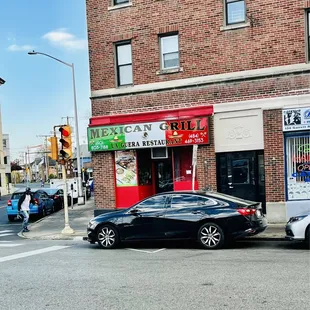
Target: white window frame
{"type": "Point", "coordinates": [121, 2]}
{"type": "Point", "coordinates": [226, 4]}
{"type": "Point", "coordinates": [162, 38]}
{"type": "Point", "coordinates": [297, 180]}
{"type": "Point", "coordinates": [118, 76]}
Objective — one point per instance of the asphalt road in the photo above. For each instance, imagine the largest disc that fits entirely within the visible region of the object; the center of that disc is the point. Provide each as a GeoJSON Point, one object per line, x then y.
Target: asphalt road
{"type": "Point", "coordinates": [77, 275]}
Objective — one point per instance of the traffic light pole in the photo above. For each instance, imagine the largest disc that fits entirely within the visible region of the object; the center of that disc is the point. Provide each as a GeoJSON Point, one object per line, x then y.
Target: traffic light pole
{"type": "Point", "coordinates": [67, 230]}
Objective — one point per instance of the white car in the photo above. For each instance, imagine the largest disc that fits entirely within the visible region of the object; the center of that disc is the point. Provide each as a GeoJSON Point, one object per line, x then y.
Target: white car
{"type": "Point", "coordinates": [298, 228]}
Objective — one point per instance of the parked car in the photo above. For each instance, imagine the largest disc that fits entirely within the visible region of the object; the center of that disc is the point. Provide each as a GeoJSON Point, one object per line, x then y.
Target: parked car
{"type": "Point", "coordinates": [298, 228]}
{"type": "Point", "coordinates": [58, 196]}
{"type": "Point", "coordinates": [207, 217]}
{"type": "Point", "coordinates": [44, 204]}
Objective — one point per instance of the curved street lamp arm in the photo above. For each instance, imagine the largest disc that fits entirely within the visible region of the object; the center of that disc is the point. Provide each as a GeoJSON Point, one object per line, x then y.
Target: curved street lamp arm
{"type": "Point", "coordinates": [39, 53]}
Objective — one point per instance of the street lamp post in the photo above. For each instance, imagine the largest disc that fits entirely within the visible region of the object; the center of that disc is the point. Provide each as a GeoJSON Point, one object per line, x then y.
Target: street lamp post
{"type": "Point", "coordinates": [80, 198]}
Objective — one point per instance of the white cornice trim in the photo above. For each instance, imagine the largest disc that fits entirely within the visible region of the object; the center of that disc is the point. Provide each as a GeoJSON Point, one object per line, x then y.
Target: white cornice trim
{"type": "Point", "coordinates": [201, 80]}
{"type": "Point", "coordinates": [264, 104]}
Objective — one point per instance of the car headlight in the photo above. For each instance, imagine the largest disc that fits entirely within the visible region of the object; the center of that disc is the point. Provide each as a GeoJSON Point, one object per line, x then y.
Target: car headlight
{"type": "Point", "coordinates": [92, 223]}
{"type": "Point", "coordinates": [296, 218]}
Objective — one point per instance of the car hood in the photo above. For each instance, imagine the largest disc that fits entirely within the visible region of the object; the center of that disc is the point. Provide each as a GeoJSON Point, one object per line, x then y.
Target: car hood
{"type": "Point", "coordinates": [109, 215]}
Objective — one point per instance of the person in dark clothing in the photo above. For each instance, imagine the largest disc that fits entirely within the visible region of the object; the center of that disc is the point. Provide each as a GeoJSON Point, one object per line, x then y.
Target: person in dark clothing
{"type": "Point", "coordinates": [24, 207]}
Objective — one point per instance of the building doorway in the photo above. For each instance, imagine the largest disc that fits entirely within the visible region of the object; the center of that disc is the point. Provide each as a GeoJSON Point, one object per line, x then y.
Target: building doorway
{"type": "Point", "coordinates": [163, 175]}
{"type": "Point", "coordinates": [242, 174]}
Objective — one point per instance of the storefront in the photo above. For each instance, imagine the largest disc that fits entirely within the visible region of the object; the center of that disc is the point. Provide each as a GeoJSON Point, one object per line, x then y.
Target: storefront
{"type": "Point", "coordinates": [296, 128]}
{"type": "Point", "coordinates": [239, 147]}
{"type": "Point", "coordinates": [153, 152]}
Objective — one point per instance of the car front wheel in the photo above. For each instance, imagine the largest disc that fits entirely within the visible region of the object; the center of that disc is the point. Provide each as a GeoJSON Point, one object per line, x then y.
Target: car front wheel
{"type": "Point", "coordinates": [107, 237]}
{"type": "Point", "coordinates": [307, 239]}
{"type": "Point", "coordinates": [211, 236]}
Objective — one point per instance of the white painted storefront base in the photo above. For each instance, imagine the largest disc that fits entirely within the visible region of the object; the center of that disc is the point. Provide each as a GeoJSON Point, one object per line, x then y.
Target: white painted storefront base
{"type": "Point", "coordinates": [276, 212]}
{"type": "Point", "coordinates": [294, 208]}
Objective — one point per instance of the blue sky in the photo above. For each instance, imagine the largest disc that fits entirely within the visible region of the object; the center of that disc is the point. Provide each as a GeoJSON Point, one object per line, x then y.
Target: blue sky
{"type": "Point", "coordinates": [38, 90]}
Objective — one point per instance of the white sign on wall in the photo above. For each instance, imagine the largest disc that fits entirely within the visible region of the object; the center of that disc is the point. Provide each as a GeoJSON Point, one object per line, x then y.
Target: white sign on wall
{"type": "Point", "coordinates": [296, 119]}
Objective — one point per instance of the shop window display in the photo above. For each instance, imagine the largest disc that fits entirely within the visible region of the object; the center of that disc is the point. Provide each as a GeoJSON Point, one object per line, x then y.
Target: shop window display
{"type": "Point", "coordinates": [298, 167]}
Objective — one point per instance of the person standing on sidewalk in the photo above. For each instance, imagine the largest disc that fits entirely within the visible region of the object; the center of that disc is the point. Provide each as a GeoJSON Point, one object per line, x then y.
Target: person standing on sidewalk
{"type": "Point", "coordinates": [24, 207]}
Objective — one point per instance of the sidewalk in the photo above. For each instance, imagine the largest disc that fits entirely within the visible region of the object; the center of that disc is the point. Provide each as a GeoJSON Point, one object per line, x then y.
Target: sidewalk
{"type": "Point", "coordinates": [50, 227]}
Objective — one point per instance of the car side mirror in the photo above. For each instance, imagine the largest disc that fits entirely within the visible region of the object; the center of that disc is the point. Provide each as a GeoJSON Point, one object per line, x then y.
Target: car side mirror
{"type": "Point", "coordinates": [135, 211]}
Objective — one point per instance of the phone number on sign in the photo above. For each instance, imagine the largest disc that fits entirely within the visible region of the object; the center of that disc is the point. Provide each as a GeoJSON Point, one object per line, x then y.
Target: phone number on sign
{"type": "Point", "coordinates": [192, 141]}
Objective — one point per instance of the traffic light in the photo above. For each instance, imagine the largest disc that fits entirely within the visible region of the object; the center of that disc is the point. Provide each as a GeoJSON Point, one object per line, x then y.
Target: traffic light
{"type": "Point", "coordinates": [54, 148]}
{"type": "Point", "coordinates": [65, 141]}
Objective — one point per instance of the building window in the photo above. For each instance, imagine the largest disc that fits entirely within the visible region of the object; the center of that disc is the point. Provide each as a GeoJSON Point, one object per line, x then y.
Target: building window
{"type": "Point", "coordinates": [298, 167]}
{"type": "Point", "coordinates": [117, 2]}
{"type": "Point", "coordinates": [124, 63]}
{"type": "Point", "coordinates": [235, 11]}
{"type": "Point", "coordinates": [4, 142]}
{"type": "Point", "coordinates": [5, 160]}
{"type": "Point", "coordinates": [169, 49]}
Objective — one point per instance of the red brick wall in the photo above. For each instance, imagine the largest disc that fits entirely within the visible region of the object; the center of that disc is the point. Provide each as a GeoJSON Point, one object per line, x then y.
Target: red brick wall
{"type": "Point", "coordinates": [103, 171]}
{"type": "Point", "coordinates": [204, 49]}
{"type": "Point", "coordinates": [212, 94]}
{"type": "Point", "coordinates": [274, 156]}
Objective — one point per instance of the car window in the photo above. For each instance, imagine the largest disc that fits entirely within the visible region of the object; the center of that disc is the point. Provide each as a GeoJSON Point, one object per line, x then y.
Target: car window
{"type": "Point", "coordinates": [16, 196]}
{"type": "Point", "coordinates": [204, 201]}
{"type": "Point", "coordinates": [183, 201]}
{"type": "Point", "coordinates": [43, 195]}
{"type": "Point", "coordinates": [156, 202]}
{"type": "Point", "coordinates": [60, 192]}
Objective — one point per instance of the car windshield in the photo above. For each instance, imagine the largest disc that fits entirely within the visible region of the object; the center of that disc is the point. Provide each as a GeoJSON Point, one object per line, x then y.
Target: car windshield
{"type": "Point", "coordinates": [16, 196]}
{"type": "Point", "coordinates": [50, 191]}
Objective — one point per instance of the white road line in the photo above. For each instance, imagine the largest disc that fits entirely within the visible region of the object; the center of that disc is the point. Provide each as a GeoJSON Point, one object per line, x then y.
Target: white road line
{"type": "Point", "coordinates": [3, 235]}
{"type": "Point", "coordinates": [5, 241]}
{"type": "Point", "coordinates": [9, 246]}
{"type": "Point", "coordinates": [144, 251]}
{"type": "Point", "coordinates": [32, 253]}
{"type": "Point", "coordinates": [5, 231]}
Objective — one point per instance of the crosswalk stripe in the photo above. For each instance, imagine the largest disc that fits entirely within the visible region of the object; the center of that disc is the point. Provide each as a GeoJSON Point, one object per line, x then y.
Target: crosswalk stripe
{"type": "Point", "coordinates": [4, 235]}
{"type": "Point", "coordinates": [32, 253]}
{"type": "Point", "coordinates": [10, 245]}
{"type": "Point", "coordinates": [5, 231]}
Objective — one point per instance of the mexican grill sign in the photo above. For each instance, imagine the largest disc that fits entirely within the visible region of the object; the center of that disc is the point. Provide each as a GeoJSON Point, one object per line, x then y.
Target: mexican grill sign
{"type": "Point", "coordinates": [148, 135]}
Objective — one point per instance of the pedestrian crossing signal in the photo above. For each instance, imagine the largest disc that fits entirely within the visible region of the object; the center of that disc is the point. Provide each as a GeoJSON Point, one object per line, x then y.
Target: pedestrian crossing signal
{"type": "Point", "coordinates": [65, 141]}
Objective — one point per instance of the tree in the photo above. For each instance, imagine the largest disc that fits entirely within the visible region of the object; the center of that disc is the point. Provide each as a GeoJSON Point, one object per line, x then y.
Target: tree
{"type": "Point", "coordinates": [15, 166]}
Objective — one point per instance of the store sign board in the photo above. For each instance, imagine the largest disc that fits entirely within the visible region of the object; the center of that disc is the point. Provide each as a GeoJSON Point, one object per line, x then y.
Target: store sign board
{"type": "Point", "coordinates": [148, 135]}
{"type": "Point", "coordinates": [296, 119]}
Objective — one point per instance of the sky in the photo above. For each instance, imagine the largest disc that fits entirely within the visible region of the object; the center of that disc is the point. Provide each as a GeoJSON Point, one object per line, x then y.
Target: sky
{"type": "Point", "coordinates": [38, 92]}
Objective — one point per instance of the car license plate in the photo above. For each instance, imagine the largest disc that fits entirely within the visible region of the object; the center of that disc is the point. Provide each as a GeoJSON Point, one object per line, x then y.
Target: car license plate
{"type": "Point", "coordinates": [258, 213]}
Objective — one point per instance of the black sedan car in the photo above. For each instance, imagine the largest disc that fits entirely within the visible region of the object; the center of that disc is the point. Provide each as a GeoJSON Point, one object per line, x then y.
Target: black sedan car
{"type": "Point", "coordinates": [208, 217]}
{"type": "Point", "coordinates": [58, 196]}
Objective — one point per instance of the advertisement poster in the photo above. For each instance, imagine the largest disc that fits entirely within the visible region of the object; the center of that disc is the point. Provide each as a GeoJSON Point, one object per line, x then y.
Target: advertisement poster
{"type": "Point", "coordinates": [149, 135]}
{"type": "Point", "coordinates": [126, 168]}
{"type": "Point", "coordinates": [296, 119]}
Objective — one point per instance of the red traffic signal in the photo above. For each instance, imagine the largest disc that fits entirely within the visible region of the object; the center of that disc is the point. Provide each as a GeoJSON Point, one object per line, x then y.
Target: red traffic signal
{"type": "Point", "coordinates": [64, 132]}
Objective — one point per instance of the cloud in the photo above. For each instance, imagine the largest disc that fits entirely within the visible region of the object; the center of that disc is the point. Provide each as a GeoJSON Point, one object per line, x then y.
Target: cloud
{"type": "Point", "coordinates": [20, 48]}
{"type": "Point", "coordinates": [62, 38]}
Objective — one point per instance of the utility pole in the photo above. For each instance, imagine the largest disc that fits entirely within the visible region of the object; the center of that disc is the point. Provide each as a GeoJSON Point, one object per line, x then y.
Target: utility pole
{"type": "Point", "coordinates": [46, 154]}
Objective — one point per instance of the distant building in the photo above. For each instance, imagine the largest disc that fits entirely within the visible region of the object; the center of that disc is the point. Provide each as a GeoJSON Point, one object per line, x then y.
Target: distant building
{"type": "Point", "coordinates": [7, 157]}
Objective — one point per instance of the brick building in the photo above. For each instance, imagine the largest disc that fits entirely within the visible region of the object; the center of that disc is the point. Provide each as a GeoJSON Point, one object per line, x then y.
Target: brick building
{"type": "Point", "coordinates": [231, 76]}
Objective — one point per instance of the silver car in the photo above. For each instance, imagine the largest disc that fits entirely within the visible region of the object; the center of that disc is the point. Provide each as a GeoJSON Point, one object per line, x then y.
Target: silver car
{"type": "Point", "coordinates": [298, 228]}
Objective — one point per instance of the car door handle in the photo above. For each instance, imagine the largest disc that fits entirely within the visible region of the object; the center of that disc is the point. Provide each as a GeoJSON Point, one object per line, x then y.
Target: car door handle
{"type": "Point", "coordinates": [159, 215]}
{"type": "Point", "coordinates": [196, 212]}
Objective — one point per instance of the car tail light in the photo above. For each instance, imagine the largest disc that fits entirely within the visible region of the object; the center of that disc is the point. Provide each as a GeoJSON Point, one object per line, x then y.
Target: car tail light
{"type": "Point", "coordinates": [247, 211]}
{"type": "Point", "coordinates": [56, 197]}
{"type": "Point", "coordinates": [36, 200]}
{"type": "Point", "coordinates": [9, 203]}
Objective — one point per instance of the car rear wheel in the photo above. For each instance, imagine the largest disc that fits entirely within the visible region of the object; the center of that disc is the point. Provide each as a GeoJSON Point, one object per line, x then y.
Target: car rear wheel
{"type": "Point", "coordinates": [11, 218]}
{"type": "Point", "coordinates": [211, 236]}
{"type": "Point", "coordinates": [107, 237]}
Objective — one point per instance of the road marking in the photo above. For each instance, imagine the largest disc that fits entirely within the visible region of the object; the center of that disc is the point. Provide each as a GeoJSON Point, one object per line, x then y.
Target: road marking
{"type": "Point", "coordinates": [9, 246]}
{"type": "Point", "coordinates": [3, 235]}
{"type": "Point", "coordinates": [144, 251]}
{"type": "Point", "coordinates": [32, 253]}
{"type": "Point", "coordinates": [5, 231]}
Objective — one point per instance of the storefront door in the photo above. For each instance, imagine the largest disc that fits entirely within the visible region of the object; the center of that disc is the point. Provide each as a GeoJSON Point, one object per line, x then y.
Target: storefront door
{"type": "Point", "coordinates": [163, 175]}
{"type": "Point", "coordinates": [242, 174]}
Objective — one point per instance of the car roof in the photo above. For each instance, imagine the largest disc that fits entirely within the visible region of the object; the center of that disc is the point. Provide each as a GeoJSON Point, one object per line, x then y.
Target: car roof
{"type": "Point", "coordinates": [22, 190]}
